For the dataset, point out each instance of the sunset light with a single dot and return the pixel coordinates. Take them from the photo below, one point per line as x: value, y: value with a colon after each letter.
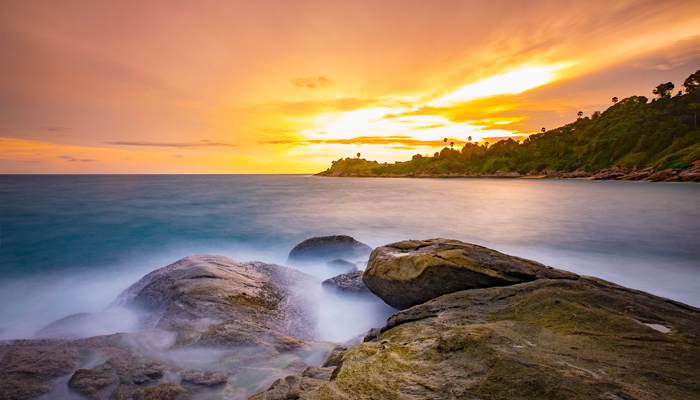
x: 512, y: 82
x: 249, y: 87
x: 333, y: 199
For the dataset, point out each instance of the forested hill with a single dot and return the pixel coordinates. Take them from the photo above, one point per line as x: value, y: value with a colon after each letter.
x: 632, y: 139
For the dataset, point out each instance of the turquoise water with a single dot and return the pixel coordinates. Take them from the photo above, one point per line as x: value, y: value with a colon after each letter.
x: 72, y: 243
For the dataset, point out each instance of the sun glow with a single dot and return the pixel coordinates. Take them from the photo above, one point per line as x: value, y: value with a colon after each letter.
x: 424, y: 125
x: 512, y: 82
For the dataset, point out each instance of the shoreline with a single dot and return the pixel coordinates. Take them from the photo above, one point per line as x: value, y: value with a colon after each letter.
x: 691, y: 174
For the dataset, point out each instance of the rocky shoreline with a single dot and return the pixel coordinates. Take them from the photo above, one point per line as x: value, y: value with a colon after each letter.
x: 690, y: 174
x: 472, y: 323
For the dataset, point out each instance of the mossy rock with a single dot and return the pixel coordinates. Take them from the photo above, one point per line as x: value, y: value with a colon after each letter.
x: 545, y: 339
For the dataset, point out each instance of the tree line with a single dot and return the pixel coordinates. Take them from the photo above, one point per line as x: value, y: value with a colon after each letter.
x: 632, y: 133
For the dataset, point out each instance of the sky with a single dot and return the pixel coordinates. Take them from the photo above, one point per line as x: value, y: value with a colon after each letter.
x: 161, y: 87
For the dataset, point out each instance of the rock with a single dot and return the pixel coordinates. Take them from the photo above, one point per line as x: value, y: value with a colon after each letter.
x: 205, y: 378
x: 192, y: 294
x: 691, y: 174
x: 90, y: 382
x: 411, y: 272
x: 350, y: 282
x: 666, y: 175
x: 296, y: 386
x: 327, y: 248
x: 339, y: 263
x: 28, y: 367
x: 335, y: 357
x: 166, y: 391
x: 242, y: 318
x: 545, y: 339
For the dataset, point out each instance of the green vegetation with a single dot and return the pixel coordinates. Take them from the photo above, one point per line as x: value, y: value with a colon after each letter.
x: 631, y: 134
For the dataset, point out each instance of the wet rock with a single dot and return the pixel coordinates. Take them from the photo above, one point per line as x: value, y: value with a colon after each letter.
x: 248, y: 315
x: 205, y: 378
x: 335, y: 357
x: 545, y: 339
x: 166, y: 391
x: 339, y: 263
x: 411, y: 272
x: 28, y: 368
x: 195, y: 292
x: 350, y: 283
x: 90, y: 383
x: 328, y: 248
x: 296, y: 386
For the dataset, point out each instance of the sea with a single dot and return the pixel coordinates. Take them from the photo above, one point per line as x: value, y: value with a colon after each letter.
x: 72, y: 243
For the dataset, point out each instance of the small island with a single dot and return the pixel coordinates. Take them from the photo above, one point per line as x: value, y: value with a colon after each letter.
x: 634, y: 139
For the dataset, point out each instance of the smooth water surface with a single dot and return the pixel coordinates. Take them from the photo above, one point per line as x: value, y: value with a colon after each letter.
x: 73, y: 243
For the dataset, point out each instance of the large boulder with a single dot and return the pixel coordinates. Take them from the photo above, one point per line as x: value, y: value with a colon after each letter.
x: 546, y: 339
x: 196, y: 292
x: 411, y: 272
x: 329, y: 248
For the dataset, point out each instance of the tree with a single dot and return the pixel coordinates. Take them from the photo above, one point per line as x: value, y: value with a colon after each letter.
x: 692, y: 83
x: 470, y: 139
x: 358, y: 155
x: 452, y: 144
x: 614, y: 100
x: 695, y: 107
x: 544, y: 130
x: 580, y: 114
x: 445, y: 140
x: 664, y: 90
x: 486, y: 144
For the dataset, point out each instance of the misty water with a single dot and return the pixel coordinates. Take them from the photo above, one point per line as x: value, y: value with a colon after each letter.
x: 71, y: 244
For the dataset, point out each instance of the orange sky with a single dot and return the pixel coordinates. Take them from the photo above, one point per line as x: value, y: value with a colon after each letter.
x: 289, y: 86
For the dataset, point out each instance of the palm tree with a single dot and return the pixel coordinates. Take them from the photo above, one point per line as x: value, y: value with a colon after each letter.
x: 543, y: 130
x: 445, y: 140
x: 358, y: 155
x: 580, y: 114
x: 452, y: 144
x: 470, y: 139
x: 486, y: 144
x: 614, y: 100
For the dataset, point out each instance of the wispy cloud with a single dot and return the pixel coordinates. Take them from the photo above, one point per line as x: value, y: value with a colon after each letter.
x: 73, y: 159
x: 403, y: 141
x: 312, y: 82
x: 55, y: 128
x: 311, y: 108
x: 183, y: 145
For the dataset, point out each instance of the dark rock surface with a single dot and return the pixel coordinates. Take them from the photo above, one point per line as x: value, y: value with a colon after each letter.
x: 329, y: 248
x: 350, y: 282
x: 340, y: 263
x: 411, y: 272
x: 545, y: 339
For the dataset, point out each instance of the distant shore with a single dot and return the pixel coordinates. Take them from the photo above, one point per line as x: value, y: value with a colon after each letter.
x: 691, y: 174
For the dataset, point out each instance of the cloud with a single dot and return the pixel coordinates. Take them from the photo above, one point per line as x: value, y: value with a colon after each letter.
x: 401, y: 141
x: 312, y: 82
x: 184, y: 145
x: 73, y: 159
x: 55, y: 128
x: 311, y: 108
